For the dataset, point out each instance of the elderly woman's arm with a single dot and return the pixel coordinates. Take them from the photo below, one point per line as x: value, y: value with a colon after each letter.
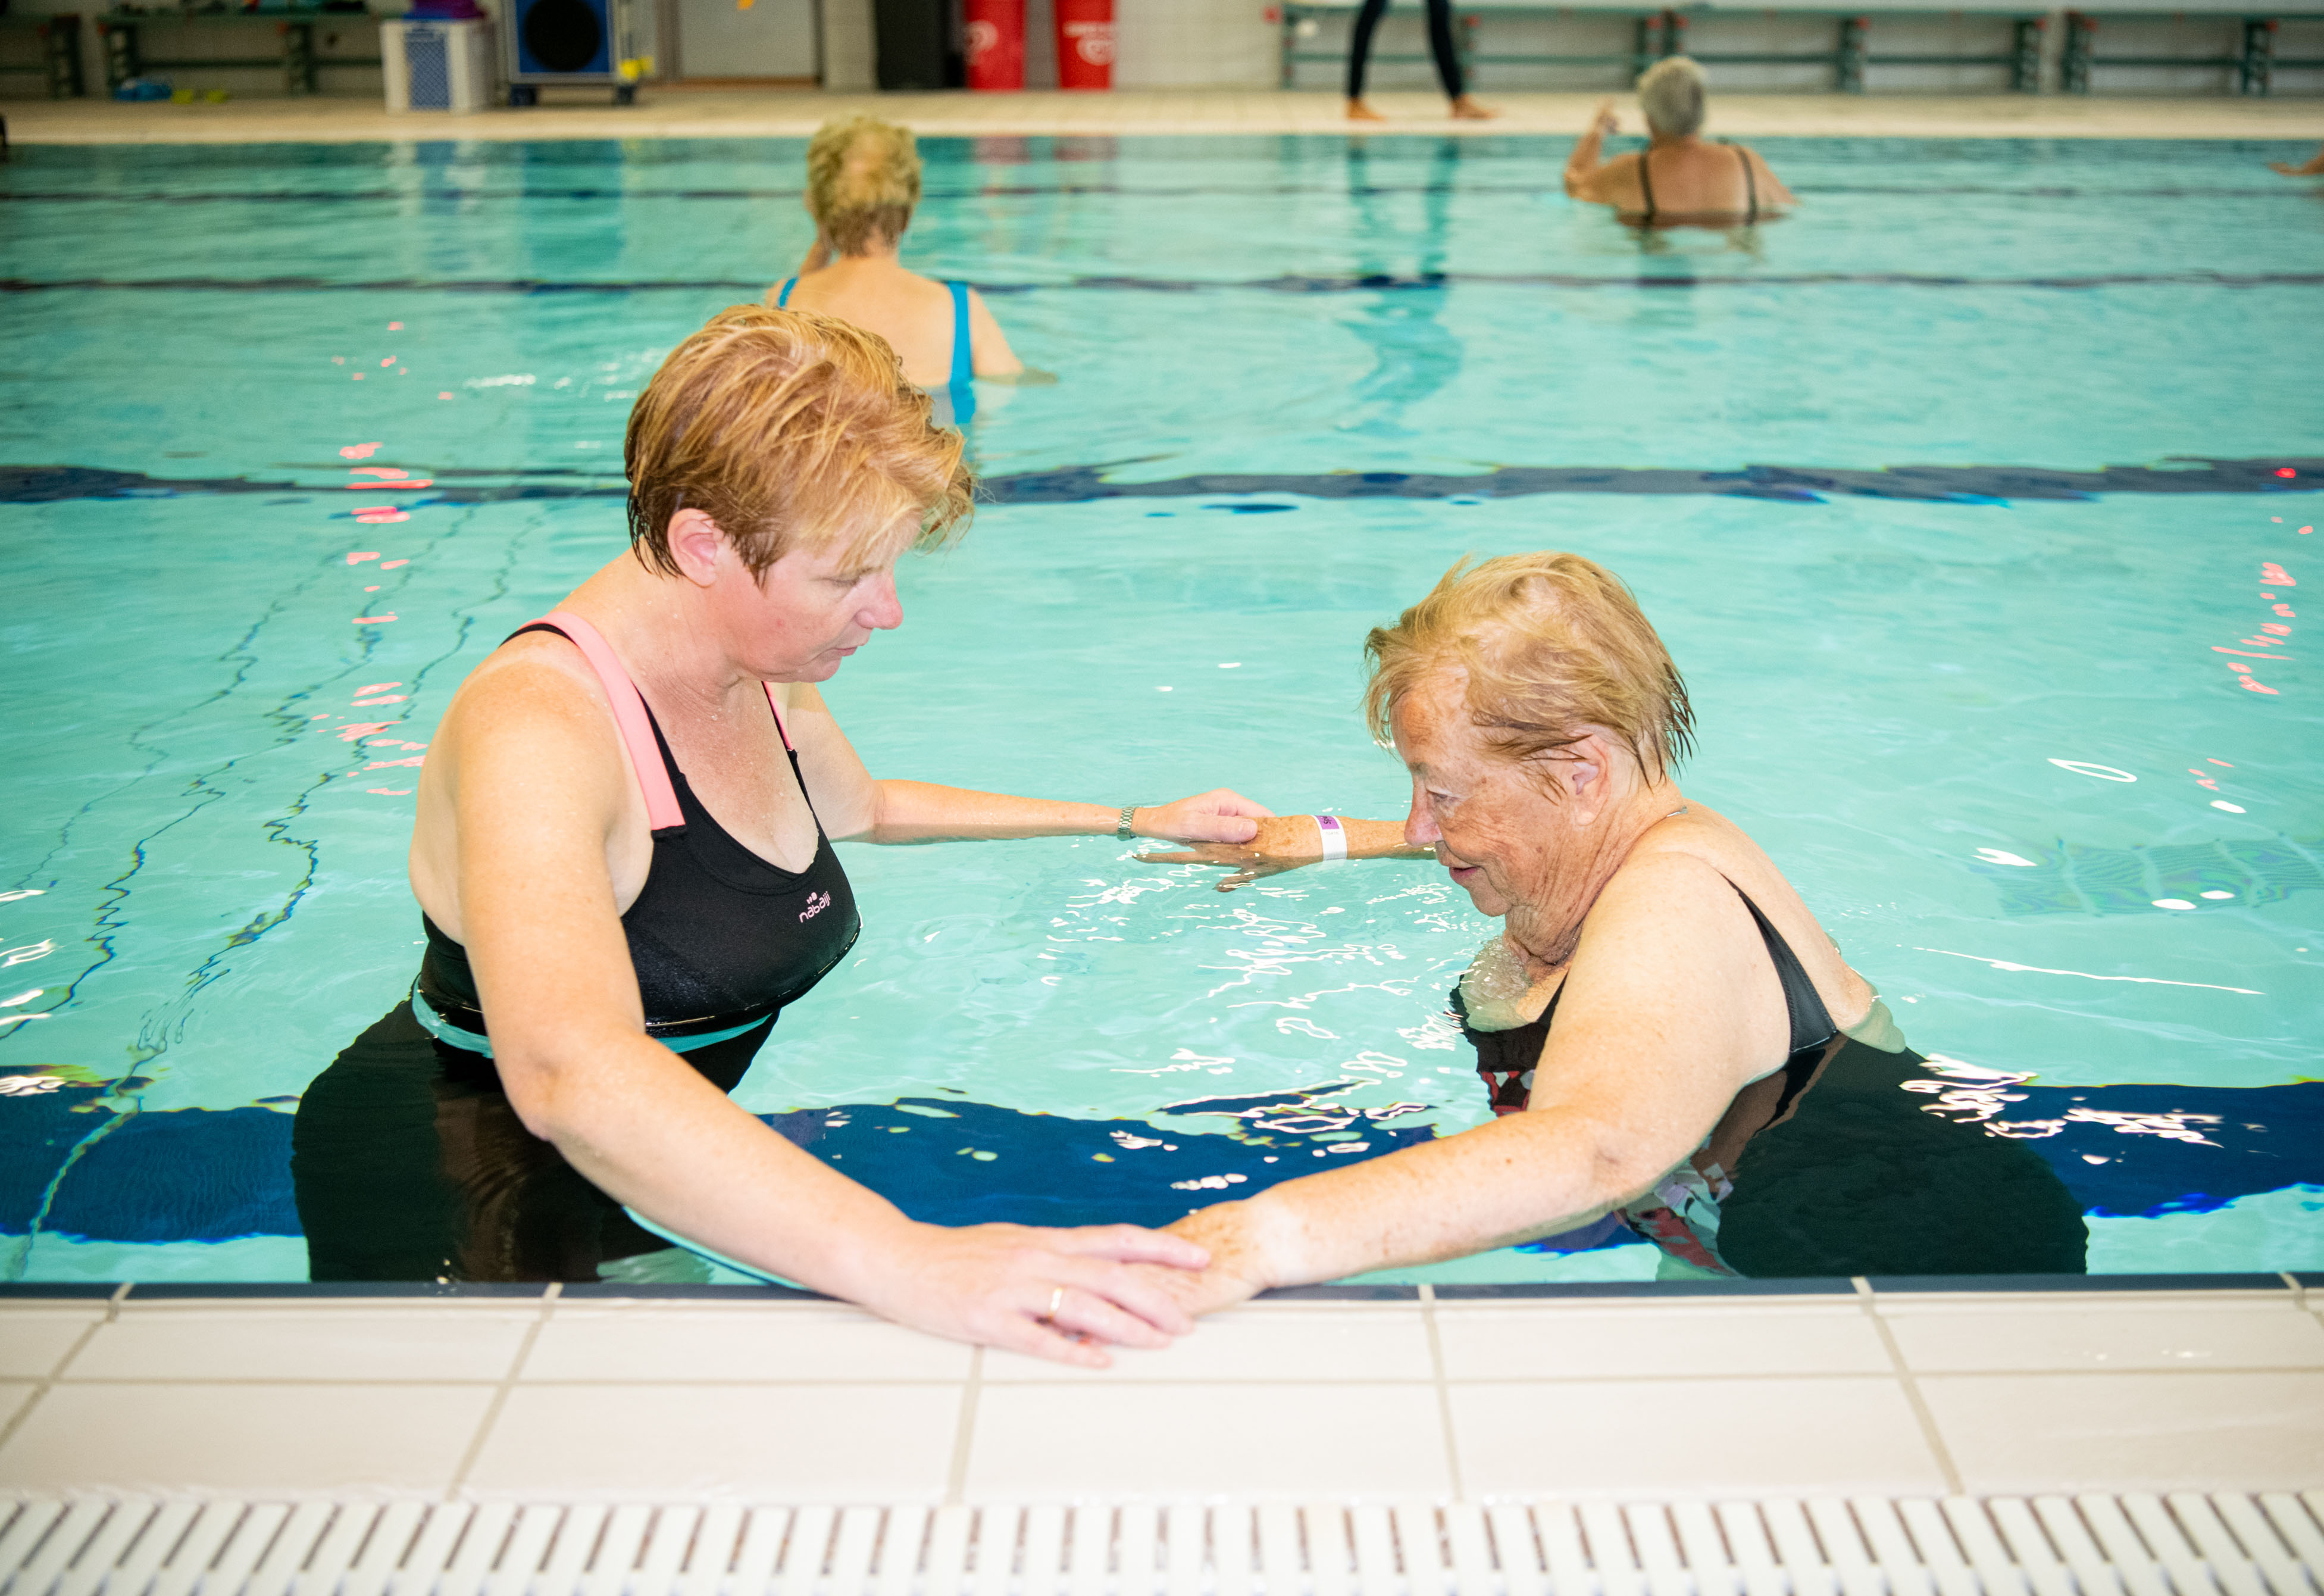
x: 1287, y: 842
x: 853, y: 803
x: 1668, y: 1001
x: 1583, y: 166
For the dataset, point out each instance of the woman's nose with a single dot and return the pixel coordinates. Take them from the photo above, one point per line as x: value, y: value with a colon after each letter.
x: 1420, y: 828
x: 885, y: 611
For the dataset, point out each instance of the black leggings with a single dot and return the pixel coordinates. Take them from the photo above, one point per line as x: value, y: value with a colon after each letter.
x: 1440, y: 41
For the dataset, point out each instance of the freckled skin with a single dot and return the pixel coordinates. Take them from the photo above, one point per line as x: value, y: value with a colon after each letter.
x: 1626, y: 901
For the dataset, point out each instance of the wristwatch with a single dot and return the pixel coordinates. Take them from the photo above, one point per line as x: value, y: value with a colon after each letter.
x: 1122, y: 826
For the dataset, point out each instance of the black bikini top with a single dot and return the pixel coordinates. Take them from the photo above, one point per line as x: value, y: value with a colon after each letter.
x: 1505, y: 1058
x: 720, y: 939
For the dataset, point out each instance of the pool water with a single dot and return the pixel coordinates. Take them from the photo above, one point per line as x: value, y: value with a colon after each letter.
x: 1961, y: 497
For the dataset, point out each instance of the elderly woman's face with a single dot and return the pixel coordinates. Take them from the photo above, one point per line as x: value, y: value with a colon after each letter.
x: 1490, y: 823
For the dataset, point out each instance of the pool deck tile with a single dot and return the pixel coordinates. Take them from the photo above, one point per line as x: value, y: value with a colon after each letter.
x: 1646, y: 1339
x: 1363, y: 1442
x: 748, y: 1397
x: 2100, y: 1335
x: 34, y: 1340
x: 294, y: 1440
x: 626, y: 1343
x: 1845, y: 1435
x: 2211, y: 1431
x: 826, y: 1442
x: 13, y: 1395
x: 1272, y: 1342
x: 308, y: 1342
x: 665, y: 112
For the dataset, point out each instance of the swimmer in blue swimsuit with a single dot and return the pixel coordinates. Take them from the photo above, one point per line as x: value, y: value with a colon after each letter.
x: 864, y: 180
x: 1672, y: 1037
x: 623, y: 861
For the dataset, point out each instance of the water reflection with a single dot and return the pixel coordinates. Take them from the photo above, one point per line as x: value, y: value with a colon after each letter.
x: 1856, y: 1159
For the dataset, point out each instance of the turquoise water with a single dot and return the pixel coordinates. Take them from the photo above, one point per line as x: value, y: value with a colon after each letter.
x: 1888, y: 666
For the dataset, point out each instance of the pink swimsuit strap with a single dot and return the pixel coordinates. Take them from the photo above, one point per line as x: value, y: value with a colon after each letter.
x: 630, y: 717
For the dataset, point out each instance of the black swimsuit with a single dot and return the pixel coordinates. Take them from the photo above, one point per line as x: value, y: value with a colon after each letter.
x: 408, y: 1160
x: 1850, y: 1168
x: 1750, y: 207
x: 720, y: 939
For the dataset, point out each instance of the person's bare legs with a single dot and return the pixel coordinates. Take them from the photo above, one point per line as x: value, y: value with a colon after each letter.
x: 2312, y: 167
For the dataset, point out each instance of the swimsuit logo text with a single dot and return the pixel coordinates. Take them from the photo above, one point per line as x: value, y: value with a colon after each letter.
x: 816, y: 902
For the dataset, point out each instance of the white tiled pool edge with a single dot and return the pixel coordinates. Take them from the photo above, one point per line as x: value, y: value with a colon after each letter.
x: 1418, y: 1396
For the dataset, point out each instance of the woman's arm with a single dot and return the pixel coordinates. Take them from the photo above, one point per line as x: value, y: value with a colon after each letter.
x: 1771, y: 187
x: 1287, y: 842
x: 991, y: 357
x: 853, y: 804
x: 539, y: 787
x: 1583, y: 166
x: 1668, y: 1002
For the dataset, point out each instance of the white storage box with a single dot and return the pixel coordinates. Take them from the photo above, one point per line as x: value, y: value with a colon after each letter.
x: 437, y: 66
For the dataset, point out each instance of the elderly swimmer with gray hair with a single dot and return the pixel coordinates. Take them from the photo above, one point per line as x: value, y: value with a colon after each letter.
x: 1678, y: 177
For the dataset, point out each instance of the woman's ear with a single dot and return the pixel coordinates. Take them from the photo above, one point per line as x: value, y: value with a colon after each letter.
x: 1585, y: 772
x: 694, y: 545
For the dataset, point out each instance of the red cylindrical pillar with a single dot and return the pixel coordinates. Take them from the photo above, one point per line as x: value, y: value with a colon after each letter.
x: 1085, y: 43
x: 996, y: 45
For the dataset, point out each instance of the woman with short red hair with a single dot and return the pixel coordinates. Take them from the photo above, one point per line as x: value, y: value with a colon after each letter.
x: 623, y: 855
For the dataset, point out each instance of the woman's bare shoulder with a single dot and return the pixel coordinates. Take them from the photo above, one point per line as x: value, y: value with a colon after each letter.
x: 1710, y: 838
x: 535, y: 686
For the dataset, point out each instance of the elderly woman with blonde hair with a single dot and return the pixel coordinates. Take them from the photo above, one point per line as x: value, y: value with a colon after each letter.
x: 623, y: 857
x: 1677, y: 178
x: 1664, y: 1032
x: 862, y: 183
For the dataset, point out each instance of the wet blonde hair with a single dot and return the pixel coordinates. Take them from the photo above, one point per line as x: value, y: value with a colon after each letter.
x: 791, y: 431
x: 1551, y: 645
x: 862, y: 180
x: 1671, y: 95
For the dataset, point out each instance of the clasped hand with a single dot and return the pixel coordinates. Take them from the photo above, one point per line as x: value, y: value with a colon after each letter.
x: 1277, y: 843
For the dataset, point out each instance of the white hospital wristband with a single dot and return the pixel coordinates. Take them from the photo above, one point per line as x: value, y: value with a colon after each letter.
x: 1335, y: 838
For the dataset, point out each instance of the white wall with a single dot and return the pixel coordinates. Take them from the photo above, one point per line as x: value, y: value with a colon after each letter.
x: 847, y: 59
x: 1194, y: 44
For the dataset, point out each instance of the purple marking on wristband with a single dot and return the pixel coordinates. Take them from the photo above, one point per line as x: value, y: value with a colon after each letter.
x: 1330, y: 823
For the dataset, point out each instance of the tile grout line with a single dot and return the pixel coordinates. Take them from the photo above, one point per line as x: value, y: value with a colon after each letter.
x: 56, y: 1371
x: 2299, y: 1292
x: 964, y: 1434
x: 1443, y: 1390
x: 1930, y: 1433
x: 501, y: 1392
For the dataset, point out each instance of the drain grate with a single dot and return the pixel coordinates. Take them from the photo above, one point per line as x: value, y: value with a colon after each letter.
x: 2181, y: 1544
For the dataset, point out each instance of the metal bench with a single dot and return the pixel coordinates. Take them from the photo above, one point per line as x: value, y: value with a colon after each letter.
x: 1649, y: 36
x: 1854, y: 39
x: 58, y: 38
x: 121, y: 33
x: 2248, y: 52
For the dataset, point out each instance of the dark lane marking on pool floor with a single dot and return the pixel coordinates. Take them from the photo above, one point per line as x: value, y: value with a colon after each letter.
x: 1366, y: 283
x: 1083, y: 485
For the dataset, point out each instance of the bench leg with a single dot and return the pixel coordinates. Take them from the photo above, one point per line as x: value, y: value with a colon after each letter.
x: 2026, y: 55
x: 1848, y: 59
x: 2255, y: 73
x: 2074, y: 66
x: 298, y: 58
x: 60, y: 54
x: 121, y: 57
